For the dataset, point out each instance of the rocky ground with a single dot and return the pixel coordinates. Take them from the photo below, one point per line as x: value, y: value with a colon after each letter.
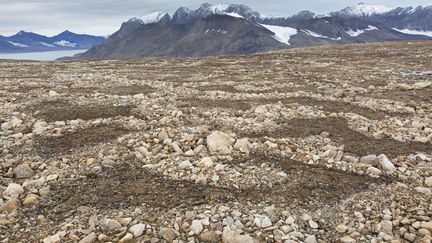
x: 324, y: 144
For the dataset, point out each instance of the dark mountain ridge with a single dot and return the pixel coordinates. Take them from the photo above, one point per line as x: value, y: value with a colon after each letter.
x: 31, y: 42
x: 235, y: 29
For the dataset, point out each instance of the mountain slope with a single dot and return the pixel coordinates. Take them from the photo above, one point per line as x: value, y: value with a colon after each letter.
x: 419, y: 18
x: 31, y: 42
x: 237, y: 29
x: 362, y: 10
x: 213, y: 35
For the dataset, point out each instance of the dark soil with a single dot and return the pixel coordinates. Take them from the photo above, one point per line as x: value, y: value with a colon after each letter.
x: 123, y: 187
x: 421, y: 95
x: 215, y: 104
x: 63, y: 110
x: 26, y: 89
x: 69, y: 141
x: 340, y: 106
x: 325, y: 105
x: 129, y: 90
x: 355, y: 142
x: 225, y: 88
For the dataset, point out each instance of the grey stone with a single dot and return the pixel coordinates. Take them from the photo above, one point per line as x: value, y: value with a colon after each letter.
x: 23, y: 171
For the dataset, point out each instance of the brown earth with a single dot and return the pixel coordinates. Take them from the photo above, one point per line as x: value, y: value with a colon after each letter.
x: 309, y: 187
x: 354, y: 142
x: 62, y: 110
x: 92, y: 136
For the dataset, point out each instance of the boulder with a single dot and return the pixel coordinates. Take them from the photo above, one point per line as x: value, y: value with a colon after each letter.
x: 219, y: 142
x: 231, y: 236
x: 386, y: 164
x: 23, y: 171
x: 109, y: 225
x: 371, y: 159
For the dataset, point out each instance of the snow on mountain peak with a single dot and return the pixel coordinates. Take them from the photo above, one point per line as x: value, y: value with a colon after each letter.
x: 218, y: 8
x: 363, y: 9
x: 151, y: 18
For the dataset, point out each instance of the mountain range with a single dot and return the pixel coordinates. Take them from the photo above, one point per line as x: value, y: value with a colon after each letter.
x: 31, y: 42
x: 220, y: 29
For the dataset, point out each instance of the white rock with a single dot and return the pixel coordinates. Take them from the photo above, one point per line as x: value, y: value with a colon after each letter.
x: 184, y: 165
x: 60, y: 123
x: 52, y: 239
x: 52, y: 93
x: 427, y: 225
x: 374, y: 172
x: 313, y: 224
x: 243, y: 145
x: 39, y: 127
x: 424, y: 190
x: 386, y: 164
x: 176, y: 148
x: 386, y: 226
x: 109, y: 225
x: 219, y: 142
x: 310, y: 239
x: 137, y: 230
x: 201, y: 179
x: 341, y: 228
x: 428, y: 181
x: 417, y: 125
x: 207, y: 162
x: 422, y: 85
x: 126, y: 238
x: 266, y: 222
x: 16, y: 122
x: 219, y: 167
x: 347, y: 239
x: 139, y: 96
x: 90, y: 238
x: 52, y: 177
x: 13, y: 189
x: 189, y: 153
x: 290, y: 220
x: 230, y: 236
x: 196, y: 227
x: 6, y: 126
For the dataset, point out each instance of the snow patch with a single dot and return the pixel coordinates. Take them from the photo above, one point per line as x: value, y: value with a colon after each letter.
x: 46, y: 44
x: 218, y: 8
x: 415, y: 32
x: 355, y: 33
x: 18, y: 44
x: 314, y: 34
x: 235, y: 15
x: 366, y: 10
x: 65, y: 43
x: 150, y: 18
x: 281, y: 34
x: 218, y: 31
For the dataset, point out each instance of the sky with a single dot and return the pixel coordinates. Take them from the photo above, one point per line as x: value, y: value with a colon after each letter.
x: 104, y: 17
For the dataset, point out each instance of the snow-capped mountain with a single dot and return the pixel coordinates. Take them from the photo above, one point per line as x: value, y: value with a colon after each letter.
x: 362, y: 10
x: 221, y: 29
x: 30, y: 42
x: 156, y: 17
x: 418, y: 19
x: 184, y: 15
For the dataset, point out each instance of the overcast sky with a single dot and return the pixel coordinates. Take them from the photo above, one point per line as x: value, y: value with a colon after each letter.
x: 103, y: 17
